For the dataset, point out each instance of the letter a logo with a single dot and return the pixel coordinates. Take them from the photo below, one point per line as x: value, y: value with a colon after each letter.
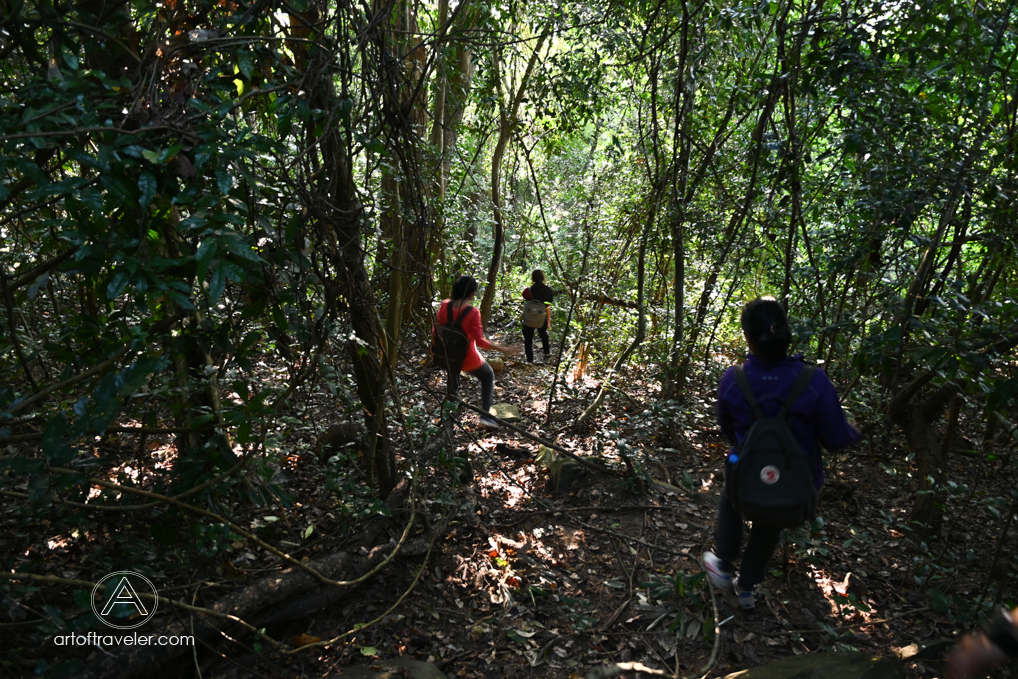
x: 123, y: 590
x: 125, y: 594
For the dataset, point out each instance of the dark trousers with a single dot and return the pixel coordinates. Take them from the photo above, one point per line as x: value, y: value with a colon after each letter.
x: 485, y: 375
x: 728, y: 540
x: 528, y: 341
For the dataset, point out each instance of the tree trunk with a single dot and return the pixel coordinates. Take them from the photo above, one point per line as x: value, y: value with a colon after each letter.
x: 731, y: 233
x: 507, y: 120
x: 338, y: 219
x: 641, y: 325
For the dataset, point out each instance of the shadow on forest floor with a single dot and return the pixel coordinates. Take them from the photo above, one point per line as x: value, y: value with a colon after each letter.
x: 525, y: 582
x: 533, y: 584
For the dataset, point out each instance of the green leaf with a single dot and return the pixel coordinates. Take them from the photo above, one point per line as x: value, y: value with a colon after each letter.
x: 71, y: 59
x: 164, y: 534
x: 206, y: 251
x: 93, y: 199
x: 54, y: 443
x: 33, y: 289
x: 97, y: 412
x: 309, y: 530
x: 83, y: 598
x: 217, y: 284
x: 182, y: 300
x: 244, y: 64
x: 134, y: 376
x: 1003, y: 391
x: 938, y: 601
x: 147, y: 184
x: 233, y: 272
x: 117, y: 283
x: 369, y: 650
x: 65, y: 669
x: 243, y: 250
x: 224, y: 180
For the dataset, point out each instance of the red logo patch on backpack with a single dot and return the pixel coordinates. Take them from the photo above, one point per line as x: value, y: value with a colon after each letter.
x: 770, y: 475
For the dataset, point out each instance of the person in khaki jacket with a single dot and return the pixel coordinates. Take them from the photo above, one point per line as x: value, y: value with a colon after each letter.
x: 538, y: 292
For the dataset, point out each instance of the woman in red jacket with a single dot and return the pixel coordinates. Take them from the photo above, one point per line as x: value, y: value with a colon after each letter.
x: 463, y: 291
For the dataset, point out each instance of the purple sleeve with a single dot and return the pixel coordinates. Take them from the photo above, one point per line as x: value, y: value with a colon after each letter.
x: 832, y: 427
x: 725, y: 420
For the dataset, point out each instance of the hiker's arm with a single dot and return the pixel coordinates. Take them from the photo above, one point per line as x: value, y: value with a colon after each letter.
x: 724, y: 417
x: 976, y: 652
x: 548, y: 322
x: 510, y: 350
x: 832, y: 426
x: 472, y: 326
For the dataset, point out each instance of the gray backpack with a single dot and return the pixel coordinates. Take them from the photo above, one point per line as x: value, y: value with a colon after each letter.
x: 534, y: 314
x: 770, y: 482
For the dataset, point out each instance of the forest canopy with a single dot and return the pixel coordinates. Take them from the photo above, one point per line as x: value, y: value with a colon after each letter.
x: 226, y: 227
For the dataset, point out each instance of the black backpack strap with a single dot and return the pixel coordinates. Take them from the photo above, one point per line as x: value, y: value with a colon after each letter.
x: 453, y: 321
x: 747, y: 391
x: 799, y: 386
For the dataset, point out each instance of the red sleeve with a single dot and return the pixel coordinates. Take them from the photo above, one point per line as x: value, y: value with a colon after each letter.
x: 526, y: 294
x: 474, y: 330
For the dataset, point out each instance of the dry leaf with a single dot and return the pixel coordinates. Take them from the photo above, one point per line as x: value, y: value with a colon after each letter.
x: 304, y: 640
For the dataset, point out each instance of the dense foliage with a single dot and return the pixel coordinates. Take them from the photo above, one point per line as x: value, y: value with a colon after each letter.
x: 208, y: 207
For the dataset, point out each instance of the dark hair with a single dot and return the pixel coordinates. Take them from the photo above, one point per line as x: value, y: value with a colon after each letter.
x: 537, y: 276
x: 464, y: 287
x: 765, y: 323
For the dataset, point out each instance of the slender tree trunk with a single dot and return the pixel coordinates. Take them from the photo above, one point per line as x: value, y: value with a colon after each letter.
x: 641, y: 325
x: 507, y: 120
x: 731, y: 233
x: 682, y: 142
x: 338, y: 218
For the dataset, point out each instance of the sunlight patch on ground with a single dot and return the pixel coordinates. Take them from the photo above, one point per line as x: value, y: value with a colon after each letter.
x: 835, y: 591
x: 511, y: 486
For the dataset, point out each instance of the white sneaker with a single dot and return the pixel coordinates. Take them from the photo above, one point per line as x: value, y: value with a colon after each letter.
x: 745, y: 596
x: 488, y: 423
x: 719, y: 577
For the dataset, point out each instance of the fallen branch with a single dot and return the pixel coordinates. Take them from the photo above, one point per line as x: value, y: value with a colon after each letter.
x: 54, y: 580
x: 431, y: 546
x: 250, y: 536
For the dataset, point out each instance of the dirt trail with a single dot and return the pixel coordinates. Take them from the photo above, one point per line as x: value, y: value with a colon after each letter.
x: 531, y: 583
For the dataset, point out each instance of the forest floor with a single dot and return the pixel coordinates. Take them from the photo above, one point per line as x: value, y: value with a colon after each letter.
x: 525, y: 581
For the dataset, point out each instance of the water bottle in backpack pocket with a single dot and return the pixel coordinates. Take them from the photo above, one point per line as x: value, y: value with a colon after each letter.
x: 770, y: 482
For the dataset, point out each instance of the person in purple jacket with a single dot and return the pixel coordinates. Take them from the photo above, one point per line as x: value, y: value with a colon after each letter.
x: 816, y: 419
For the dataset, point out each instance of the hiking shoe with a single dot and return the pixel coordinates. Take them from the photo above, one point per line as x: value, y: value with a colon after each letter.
x: 745, y: 596
x: 488, y: 423
x: 718, y: 576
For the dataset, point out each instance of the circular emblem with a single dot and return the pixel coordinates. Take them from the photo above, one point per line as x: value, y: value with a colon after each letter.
x: 116, y: 603
x: 770, y: 475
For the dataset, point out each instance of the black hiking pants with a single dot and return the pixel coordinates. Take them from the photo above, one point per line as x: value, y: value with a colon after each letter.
x: 528, y: 341
x: 485, y: 375
x: 728, y: 541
